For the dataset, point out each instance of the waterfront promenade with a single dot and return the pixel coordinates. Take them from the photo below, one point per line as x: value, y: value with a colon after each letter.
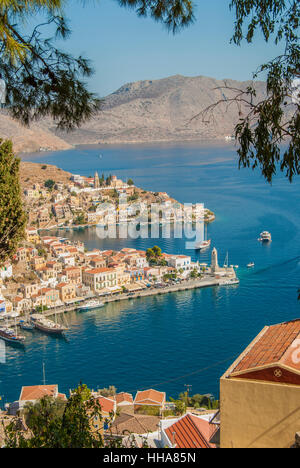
x: 185, y: 285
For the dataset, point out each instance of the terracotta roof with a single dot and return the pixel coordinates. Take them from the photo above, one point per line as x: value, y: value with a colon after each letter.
x: 276, y: 344
x: 121, y: 397
x: 134, y: 423
x: 150, y: 396
x: 190, y: 432
x: 95, y: 271
x: 36, y: 392
x: 107, y: 404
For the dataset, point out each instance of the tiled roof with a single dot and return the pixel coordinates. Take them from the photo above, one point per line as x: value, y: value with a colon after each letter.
x: 276, y: 344
x: 107, y: 404
x: 36, y: 392
x: 121, y: 397
x: 152, y: 395
x: 95, y: 271
x: 134, y: 423
x: 190, y: 432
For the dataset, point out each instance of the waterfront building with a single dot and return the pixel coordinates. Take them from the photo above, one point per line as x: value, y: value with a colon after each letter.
x: 180, y: 262
x: 67, y: 291
x: 99, y: 278
x: 260, y: 392
x: 51, y: 295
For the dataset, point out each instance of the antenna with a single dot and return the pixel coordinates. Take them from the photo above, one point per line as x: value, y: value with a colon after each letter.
x: 187, y: 391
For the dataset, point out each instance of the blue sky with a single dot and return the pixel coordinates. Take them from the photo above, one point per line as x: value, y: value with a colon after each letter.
x: 125, y: 48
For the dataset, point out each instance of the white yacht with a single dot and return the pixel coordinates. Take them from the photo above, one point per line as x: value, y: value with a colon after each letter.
x: 265, y: 236
x: 92, y: 304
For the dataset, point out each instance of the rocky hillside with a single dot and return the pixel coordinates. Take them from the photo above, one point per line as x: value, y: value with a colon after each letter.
x: 146, y: 111
x: 35, y: 173
x: 30, y: 139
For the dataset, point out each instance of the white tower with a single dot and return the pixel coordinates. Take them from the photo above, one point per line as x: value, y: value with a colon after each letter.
x: 214, y: 261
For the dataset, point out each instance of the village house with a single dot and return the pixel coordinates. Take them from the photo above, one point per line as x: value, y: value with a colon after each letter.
x: 38, y: 263
x: 30, y: 289
x: 260, y: 392
x: 32, y: 236
x: 73, y: 274
x: 21, y: 255
x: 67, y: 291
x: 21, y: 304
x: 124, y: 400
x: 51, y: 295
x: 6, y: 270
x: 39, y: 300
x: 180, y: 262
x: 33, y: 394
x: 151, y: 398
x: 98, y: 262
x: 188, y: 431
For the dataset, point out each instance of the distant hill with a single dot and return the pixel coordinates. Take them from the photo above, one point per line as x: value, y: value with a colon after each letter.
x: 154, y: 111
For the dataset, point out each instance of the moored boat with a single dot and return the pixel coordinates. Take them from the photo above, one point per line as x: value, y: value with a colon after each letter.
x: 10, y: 335
x: 48, y: 326
x: 92, y: 304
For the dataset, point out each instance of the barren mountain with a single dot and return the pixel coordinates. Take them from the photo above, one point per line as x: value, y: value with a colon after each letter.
x: 148, y: 111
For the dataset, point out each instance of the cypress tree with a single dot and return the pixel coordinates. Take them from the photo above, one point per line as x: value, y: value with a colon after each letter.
x: 12, y: 215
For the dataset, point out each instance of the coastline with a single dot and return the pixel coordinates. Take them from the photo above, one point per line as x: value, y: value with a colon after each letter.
x: 186, y: 285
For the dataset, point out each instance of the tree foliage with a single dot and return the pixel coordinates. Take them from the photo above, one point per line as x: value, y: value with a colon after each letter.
x: 51, y: 428
x: 43, y: 80
x: 12, y: 216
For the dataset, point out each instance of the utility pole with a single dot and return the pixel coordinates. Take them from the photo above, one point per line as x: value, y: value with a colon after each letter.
x: 188, y: 386
x: 44, y: 375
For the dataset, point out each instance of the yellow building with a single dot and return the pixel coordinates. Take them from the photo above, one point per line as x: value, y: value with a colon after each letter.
x: 32, y: 236
x: 260, y: 392
x: 67, y: 291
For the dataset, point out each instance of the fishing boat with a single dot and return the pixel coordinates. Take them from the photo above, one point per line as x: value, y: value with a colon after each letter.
x: 92, y: 304
x: 265, y: 236
x: 48, y: 326
x: 250, y: 265
x: 205, y: 244
x: 10, y: 335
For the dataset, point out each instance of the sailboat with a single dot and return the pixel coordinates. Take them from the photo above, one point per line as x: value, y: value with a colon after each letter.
x: 48, y: 326
x: 10, y: 335
x: 205, y: 244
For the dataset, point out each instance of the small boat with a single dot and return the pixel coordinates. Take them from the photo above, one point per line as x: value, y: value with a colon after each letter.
x: 205, y: 244
x: 10, y: 335
x: 25, y: 325
x: 228, y: 281
x: 92, y: 304
x: 250, y: 265
x: 265, y: 236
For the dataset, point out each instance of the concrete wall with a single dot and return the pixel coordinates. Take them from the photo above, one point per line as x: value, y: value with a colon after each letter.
x: 258, y: 414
